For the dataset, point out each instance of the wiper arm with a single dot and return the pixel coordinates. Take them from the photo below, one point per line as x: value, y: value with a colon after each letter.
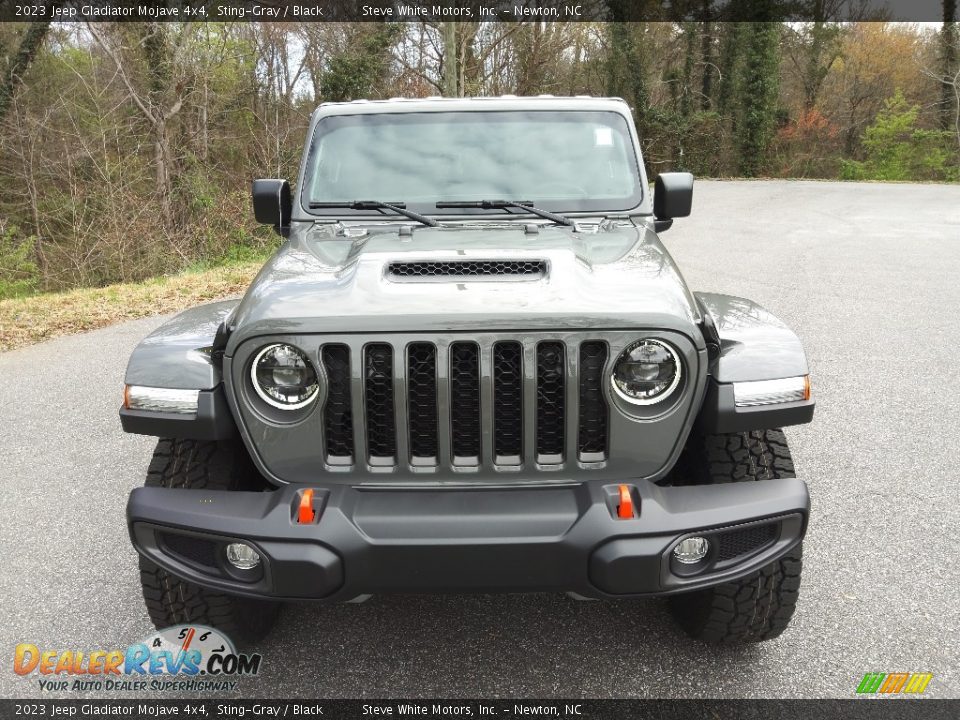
x: 504, y: 204
x: 399, y: 208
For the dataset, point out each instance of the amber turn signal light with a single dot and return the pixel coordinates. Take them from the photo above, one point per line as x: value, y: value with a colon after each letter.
x: 305, y: 514
x: 625, y: 508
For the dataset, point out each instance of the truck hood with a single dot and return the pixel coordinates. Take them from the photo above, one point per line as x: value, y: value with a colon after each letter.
x: 333, y: 278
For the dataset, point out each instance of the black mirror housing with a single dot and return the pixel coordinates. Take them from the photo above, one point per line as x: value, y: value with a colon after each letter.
x: 673, y: 195
x: 272, y: 204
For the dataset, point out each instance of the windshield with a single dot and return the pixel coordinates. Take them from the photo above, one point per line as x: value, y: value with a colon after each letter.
x: 566, y: 161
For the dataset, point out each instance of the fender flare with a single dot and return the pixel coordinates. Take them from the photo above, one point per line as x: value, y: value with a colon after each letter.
x: 182, y: 354
x: 753, y: 345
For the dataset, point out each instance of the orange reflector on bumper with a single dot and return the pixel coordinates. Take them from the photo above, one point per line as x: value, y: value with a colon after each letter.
x: 305, y: 515
x: 625, y: 508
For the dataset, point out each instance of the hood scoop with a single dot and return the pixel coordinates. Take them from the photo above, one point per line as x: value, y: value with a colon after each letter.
x: 466, y: 270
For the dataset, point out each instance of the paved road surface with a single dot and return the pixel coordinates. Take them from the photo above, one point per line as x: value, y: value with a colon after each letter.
x: 868, y: 275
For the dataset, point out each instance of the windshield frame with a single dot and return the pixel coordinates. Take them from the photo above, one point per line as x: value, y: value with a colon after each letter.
x: 429, y: 209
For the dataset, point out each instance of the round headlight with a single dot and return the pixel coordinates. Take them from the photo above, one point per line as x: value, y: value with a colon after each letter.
x: 646, y: 372
x: 283, y: 377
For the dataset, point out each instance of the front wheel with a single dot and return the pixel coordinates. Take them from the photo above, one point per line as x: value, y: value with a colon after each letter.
x: 759, y: 606
x: 171, y: 601
x: 755, y: 608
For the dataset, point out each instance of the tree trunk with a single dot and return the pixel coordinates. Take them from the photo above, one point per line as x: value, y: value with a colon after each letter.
x: 164, y: 184
x: 690, y: 30
x: 706, y: 57
x: 761, y: 79
x: 13, y: 77
x: 449, y: 30
x: 157, y: 55
x: 821, y: 54
x: 730, y: 52
x: 627, y: 64
x: 949, y: 39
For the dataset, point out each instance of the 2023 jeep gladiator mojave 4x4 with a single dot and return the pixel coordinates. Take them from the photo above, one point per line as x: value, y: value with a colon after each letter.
x: 471, y: 366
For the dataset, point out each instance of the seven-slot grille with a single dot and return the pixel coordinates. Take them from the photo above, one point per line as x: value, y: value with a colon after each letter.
x: 466, y: 404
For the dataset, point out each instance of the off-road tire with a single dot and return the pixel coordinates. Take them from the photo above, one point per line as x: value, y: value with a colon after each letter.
x: 759, y: 606
x: 736, y: 457
x: 170, y: 601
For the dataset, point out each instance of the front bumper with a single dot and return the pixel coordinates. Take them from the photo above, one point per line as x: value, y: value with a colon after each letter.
x: 376, y: 540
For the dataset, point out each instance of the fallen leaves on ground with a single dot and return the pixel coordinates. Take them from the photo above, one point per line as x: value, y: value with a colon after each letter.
x: 24, y: 321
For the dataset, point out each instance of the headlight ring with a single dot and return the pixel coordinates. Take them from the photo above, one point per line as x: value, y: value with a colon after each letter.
x: 647, y: 372
x: 283, y: 377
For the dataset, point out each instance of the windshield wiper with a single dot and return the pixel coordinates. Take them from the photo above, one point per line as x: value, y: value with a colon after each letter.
x: 399, y: 208
x: 504, y: 204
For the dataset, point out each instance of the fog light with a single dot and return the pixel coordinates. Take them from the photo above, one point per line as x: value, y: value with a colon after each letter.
x: 692, y: 550
x: 242, y: 556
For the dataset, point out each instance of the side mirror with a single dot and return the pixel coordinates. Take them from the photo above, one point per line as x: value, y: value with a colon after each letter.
x: 672, y: 198
x: 271, y: 202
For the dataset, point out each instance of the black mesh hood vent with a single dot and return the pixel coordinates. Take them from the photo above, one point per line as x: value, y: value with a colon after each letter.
x: 461, y: 270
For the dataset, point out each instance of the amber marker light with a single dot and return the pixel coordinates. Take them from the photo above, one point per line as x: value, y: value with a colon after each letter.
x: 625, y: 508
x: 305, y: 513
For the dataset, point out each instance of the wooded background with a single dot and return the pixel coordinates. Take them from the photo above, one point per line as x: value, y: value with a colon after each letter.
x: 127, y: 150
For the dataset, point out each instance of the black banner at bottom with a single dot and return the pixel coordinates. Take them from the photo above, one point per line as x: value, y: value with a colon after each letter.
x: 862, y: 708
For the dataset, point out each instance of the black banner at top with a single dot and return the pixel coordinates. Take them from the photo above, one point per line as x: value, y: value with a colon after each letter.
x: 466, y: 10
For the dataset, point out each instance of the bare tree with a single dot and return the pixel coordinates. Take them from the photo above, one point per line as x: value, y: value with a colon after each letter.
x: 947, y: 76
x: 158, y: 105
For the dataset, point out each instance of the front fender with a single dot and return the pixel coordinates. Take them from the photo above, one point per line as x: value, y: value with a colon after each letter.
x: 179, y: 354
x: 754, y: 345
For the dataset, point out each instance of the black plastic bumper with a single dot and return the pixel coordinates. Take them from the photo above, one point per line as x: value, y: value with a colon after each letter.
x: 565, y: 538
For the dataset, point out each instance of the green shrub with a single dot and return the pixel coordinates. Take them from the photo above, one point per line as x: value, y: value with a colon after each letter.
x: 19, y: 274
x: 896, y: 149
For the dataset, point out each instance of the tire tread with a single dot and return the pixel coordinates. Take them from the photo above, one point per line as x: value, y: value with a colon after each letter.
x: 760, y: 606
x: 169, y: 600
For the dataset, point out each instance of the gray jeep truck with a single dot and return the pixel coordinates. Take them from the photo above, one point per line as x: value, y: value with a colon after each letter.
x: 471, y: 366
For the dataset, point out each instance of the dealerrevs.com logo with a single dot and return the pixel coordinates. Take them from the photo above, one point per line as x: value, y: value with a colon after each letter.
x: 894, y: 683
x: 180, y: 658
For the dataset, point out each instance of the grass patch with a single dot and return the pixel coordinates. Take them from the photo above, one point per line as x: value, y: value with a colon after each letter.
x: 27, y: 320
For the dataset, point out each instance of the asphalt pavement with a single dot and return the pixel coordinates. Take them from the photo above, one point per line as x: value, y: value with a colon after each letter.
x: 868, y: 275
